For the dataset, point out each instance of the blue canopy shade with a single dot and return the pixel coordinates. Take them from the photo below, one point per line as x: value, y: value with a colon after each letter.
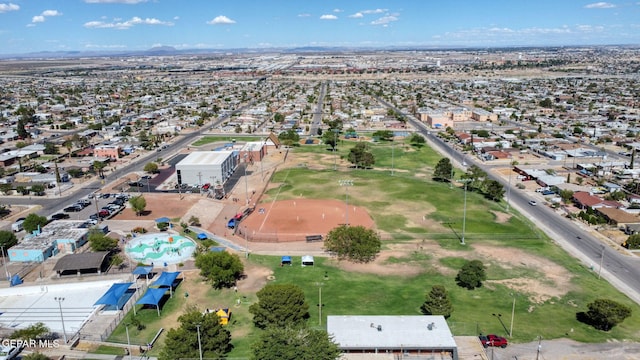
x: 113, y: 295
x: 286, y: 259
x: 166, y: 279
x: 163, y: 220
x: 142, y: 270
x: 202, y: 236
x: 152, y: 296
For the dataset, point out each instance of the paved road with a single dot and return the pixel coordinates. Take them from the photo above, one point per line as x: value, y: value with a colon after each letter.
x: 317, y: 113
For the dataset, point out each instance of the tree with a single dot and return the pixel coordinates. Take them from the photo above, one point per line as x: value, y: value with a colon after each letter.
x: 98, y: 241
x: 604, y: 314
x: 355, y: 243
x: 182, y: 342
x: 36, y: 356
x: 471, y: 275
x: 437, y: 302
x: 221, y: 269
x: 98, y: 167
x: 417, y: 140
x: 493, y: 190
x: 51, y: 148
x: 7, y: 239
x: 194, y: 220
x: 37, y: 189
x: 151, y: 167
x: 566, y: 195
x: 330, y: 138
x: 632, y: 242
x: 287, y: 343
x: 34, y: 331
x: 360, y: 156
x: 383, y: 135
x: 289, y: 137
x: 34, y: 222
x: 138, y: 204
x: 280, y: 305
x: 443, y: 170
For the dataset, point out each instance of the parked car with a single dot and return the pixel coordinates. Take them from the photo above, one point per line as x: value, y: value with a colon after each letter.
x: 17, y: 226
x: 73, y: 208
x: 60, y: 216
x: 9, y: 352
x: 104, y: 213
x: 493, y: 340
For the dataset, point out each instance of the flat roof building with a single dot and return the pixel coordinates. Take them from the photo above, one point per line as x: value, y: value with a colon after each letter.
x: 427, y: 335
x: 201, y: 167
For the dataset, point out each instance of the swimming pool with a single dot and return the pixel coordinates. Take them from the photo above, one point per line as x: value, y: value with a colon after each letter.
x: 160, y: 248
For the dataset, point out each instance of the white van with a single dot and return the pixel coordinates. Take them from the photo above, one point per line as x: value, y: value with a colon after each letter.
x: 17, y: 226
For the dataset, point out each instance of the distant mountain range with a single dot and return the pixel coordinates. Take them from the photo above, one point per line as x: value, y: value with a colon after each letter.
x: 171, y: 51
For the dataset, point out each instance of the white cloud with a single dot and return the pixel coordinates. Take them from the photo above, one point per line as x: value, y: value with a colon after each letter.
x: 385, y: 20
x: 357, y: 15
x: 8, y: 7
x: 600, y: 5
x: 304, y: 15
x: 51, y: 13
x: 221, y: 20
x: 123, y: 25
x: 130, y: 2
x: 328, y: 17
x: 337, y: 10
x: 374, y: 11
x: 45, y: 14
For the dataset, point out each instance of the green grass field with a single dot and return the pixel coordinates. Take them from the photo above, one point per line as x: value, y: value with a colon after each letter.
x: 409, y: 207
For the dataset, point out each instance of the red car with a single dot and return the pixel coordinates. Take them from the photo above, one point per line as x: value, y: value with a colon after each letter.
x: 206, y: 186
x: 493, y: 340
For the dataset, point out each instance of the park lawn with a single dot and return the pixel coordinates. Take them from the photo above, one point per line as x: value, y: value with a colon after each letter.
x: 349, y: 293
x: 205, y: 140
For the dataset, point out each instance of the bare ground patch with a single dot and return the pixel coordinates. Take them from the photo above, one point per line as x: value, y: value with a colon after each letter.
x: 555, y: 282
x: 501, y: 217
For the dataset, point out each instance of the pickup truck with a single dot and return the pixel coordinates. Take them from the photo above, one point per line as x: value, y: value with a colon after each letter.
x: 493, y: 340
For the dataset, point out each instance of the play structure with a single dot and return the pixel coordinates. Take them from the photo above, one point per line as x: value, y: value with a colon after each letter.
x: 160, y: 248
x: 223, y: 314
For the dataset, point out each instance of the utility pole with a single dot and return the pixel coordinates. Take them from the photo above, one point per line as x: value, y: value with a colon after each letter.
x: 393, y: 146
x: 539, y: 347
x: 601, y: 262
x: 199, y: 341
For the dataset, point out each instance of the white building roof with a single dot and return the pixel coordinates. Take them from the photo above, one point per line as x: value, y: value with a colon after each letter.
x: 379, y: 332
x: 205, y: 158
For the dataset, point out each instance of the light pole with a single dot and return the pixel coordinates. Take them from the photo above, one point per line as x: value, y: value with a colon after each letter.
x: 346, y: 184
x: 464, y: 210
x: 64, y: 332
x: 199, y: 342
x: 4, y: 261
x: 601, y: 261
x: 246, y: 187
x: 126, y: 328
x: 246, y: 243
x: 513, y: 312
x: 509, y: 187
x: 335, y: 153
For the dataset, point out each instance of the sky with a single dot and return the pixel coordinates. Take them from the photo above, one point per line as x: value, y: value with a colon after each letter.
x: 28, y: 26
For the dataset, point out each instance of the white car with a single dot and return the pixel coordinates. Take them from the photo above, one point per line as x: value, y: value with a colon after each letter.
x: 533, y: 202
x: 9, y: 352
